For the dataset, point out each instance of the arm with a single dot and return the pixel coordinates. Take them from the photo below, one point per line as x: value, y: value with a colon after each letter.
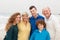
x: 48, y: 36
x: 57, y: 29
x: 32, y: 36
x: 9, y: 34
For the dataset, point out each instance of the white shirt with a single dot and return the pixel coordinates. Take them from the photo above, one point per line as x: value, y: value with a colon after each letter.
x: 53, y: 27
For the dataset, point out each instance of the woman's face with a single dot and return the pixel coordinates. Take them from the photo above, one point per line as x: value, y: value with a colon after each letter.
x: 18, y: 19
x: 25, y: 17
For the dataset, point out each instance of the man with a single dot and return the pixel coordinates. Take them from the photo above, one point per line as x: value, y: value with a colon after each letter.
x: 52, y: 22
x: 35, y: 16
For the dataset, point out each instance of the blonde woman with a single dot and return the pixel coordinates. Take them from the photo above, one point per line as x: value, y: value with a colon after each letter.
x: 24, y: 28
x: 11, y: 27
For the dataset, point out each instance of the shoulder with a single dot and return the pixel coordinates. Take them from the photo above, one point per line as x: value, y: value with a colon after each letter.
x: 28, y: 22
x: 41, y: 16
x: 46, y: 31
x: 11, y: 28
x: 54, y: 18
x: 19, y: 24
x: 31, y: 17
x: 35, y: 32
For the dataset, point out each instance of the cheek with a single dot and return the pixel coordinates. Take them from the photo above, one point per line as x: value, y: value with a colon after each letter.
x: 17, y: 19
x: 32, y: 12
x: 46, y: 14
x: 41, y: 26
x: 26, y: 18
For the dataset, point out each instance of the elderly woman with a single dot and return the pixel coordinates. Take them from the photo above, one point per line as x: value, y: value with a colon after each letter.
x: 24, y: 28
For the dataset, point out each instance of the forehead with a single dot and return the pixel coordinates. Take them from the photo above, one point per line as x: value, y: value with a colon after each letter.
x: 46, y: 9
x: 40, y: 24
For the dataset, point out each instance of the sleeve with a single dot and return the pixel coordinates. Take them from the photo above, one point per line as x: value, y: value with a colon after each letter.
x: 57, y: 29
x: 9, y: 35
x: 43, y: 17
x: 32, y: 36
x: 48, y: 36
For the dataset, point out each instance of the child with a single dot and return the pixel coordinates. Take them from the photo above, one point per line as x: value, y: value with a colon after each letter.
x: 41, y: 33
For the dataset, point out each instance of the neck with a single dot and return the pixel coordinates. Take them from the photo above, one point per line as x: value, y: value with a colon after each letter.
x: 25, y: 22
x: 41, y: 29
x: 35, y: 16
x: 14, y: 23
x: 48, y: 16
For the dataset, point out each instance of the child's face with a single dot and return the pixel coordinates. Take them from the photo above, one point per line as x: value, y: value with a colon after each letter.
x: 40, y: 26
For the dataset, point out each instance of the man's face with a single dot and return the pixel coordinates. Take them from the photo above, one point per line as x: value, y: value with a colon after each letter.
x: 46, y: 12
x: 33, y: 11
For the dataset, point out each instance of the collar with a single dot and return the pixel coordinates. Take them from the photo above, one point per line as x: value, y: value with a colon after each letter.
x: 42, y: 30
x: 37, y: 16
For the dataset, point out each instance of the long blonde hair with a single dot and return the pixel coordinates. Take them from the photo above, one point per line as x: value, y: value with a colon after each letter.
x: 11, y: 20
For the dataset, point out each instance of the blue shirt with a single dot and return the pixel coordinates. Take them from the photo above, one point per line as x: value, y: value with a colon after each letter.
x: 43, y: 35
x: 33, y: 22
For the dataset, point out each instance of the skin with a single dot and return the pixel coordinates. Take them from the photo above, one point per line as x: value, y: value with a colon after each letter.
x: 33, y: 12
x: 40, y: 27
x: 25, y: 18
x: 17, y: 20
x: 46, y: 12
